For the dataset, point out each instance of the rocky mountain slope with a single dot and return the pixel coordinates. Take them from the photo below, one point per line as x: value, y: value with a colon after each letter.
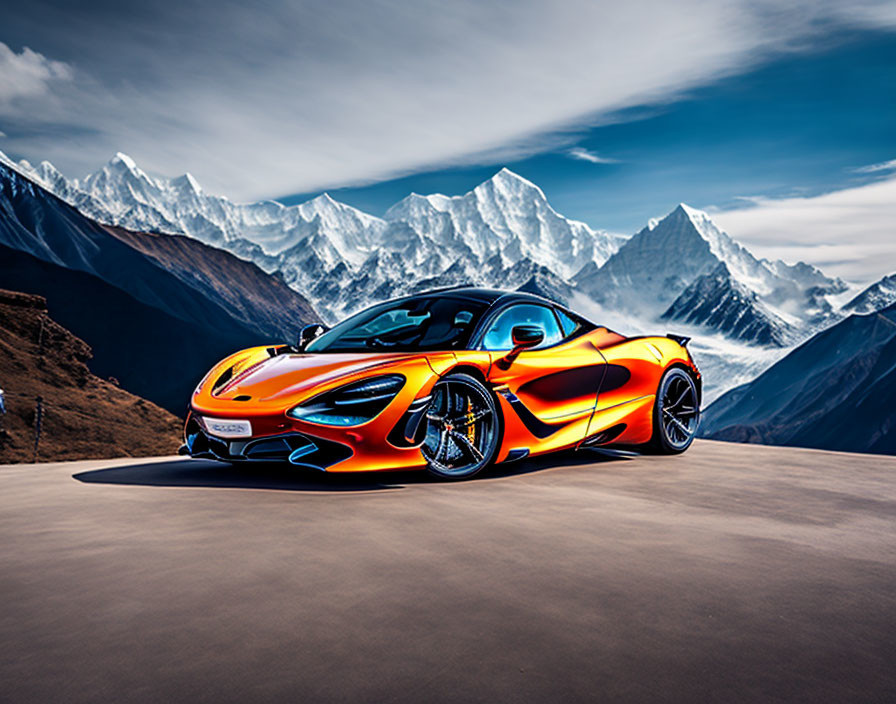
x: 156, y: 309
x: 717, y: 300
x: 659, y: 273
x: 878, y: 295
x: 82, y: 416
x: 834, y: 392
x: 504, y: 231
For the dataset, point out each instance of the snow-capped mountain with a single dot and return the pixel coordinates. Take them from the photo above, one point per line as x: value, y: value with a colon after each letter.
x: 680, y: 271
x: 719, y: 301
x: 834, y: 392
x: 510, y: 217
x: 877, y: 296
x: 671, y: 269
x: 130, y: 294
x: 501, y: 232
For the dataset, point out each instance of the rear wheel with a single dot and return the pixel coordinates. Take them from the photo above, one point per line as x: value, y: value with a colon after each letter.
x: 462, y: 428
x: 675, y: 413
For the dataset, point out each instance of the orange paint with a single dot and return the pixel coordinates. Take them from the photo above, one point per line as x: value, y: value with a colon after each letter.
x: 574, y: 390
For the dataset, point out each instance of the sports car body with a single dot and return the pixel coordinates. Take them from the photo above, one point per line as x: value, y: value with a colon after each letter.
x: 449, y: 380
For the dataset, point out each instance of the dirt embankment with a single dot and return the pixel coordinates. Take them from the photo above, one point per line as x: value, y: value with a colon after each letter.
x: 81, y: 416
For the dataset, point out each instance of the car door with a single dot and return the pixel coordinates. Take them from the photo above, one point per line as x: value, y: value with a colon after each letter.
x: 626, y: 399
x: 548, y: 392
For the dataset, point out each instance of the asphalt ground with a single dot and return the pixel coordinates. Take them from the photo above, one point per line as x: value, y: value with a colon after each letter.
x: 732, y: 573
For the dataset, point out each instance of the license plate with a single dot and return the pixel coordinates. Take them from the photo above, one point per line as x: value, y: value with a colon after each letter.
x: 228, y: 428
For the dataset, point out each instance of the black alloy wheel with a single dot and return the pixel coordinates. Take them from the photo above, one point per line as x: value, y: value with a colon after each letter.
x: 676, y: 412
x: 462, y: 428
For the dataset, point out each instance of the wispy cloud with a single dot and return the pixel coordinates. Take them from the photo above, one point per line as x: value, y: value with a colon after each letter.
x: 874, y: 168
x: 850, y: 232
x: 28, y: 73
x: 278, y: 97
x: 584, y: 155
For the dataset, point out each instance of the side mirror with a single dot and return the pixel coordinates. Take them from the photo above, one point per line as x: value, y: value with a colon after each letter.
x: 525, y: 336
x: 309, y: 332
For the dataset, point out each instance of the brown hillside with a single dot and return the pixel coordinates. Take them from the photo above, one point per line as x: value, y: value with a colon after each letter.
x: 250, y: 295
x: 84, y: 417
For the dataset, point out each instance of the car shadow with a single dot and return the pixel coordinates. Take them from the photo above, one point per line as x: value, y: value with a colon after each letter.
x: 186, y: 472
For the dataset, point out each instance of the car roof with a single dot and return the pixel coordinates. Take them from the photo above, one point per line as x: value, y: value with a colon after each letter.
x: 482, y: 295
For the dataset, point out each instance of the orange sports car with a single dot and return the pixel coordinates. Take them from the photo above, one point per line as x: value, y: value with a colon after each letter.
x: 450, y: 380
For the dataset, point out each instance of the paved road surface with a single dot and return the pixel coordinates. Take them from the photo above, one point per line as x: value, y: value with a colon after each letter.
x: 730, y: 574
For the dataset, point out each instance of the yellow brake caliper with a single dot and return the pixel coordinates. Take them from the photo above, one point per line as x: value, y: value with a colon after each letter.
x: 471, y: 426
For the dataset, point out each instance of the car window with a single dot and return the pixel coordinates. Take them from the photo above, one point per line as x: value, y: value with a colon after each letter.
x: 406, y: 325
x: 392, y: 320
x: 568, y: 325
x: 498, y: 336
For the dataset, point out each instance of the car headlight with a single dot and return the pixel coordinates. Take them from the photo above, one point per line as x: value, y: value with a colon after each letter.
x: 351, y: 404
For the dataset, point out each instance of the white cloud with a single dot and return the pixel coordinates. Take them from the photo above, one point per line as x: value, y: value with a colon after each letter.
x: 584, y: 155
x: 28, y: 74
x: 849, y: 233
x: 277, y: 97
x: 874, y: 168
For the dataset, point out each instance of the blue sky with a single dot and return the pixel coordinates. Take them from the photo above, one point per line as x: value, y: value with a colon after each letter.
x: 799, y: 124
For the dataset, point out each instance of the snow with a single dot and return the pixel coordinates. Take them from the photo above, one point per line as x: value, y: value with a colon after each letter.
x: 681, y: 273
x: 501, y: 233
x: 877, y: 296
x: 124, y: 159
x: 503, y: 224
x: 724, y: 363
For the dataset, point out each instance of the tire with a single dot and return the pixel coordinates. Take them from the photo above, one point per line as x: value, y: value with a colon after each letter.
x: 463, y: 428
x: 676, y: 413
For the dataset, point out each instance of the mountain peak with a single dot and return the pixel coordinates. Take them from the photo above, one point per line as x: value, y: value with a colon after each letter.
x: 876, y: 297
x: 507, y: 185
x: 698, y: 221
x: 698, y: 217
x: 325, y: 201
x: 504, y: 172
x: 684, y: 213
x: 510, y: 178
x: 48, y: 167
x: 122, y: 158
x: 187, y: 182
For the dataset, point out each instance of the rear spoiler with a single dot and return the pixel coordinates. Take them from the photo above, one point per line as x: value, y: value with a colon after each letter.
x: 680, y: 339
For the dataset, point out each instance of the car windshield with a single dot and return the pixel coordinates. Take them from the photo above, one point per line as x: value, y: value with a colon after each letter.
x: 410, y: 325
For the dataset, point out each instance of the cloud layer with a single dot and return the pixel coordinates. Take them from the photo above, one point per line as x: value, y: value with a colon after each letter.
x: 850, y: 233
x: 28, y: 74
x: 277, y: 97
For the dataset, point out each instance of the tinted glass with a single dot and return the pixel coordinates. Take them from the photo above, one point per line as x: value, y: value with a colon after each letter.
x: 568, y: 325
x: 499, y: 335
x: 430, y: 323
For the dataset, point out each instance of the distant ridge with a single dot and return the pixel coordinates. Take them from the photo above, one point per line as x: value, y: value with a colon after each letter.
x: 833, y: 392
x: 684, y: 268
x: 157, y: 310
x: 339, y: 256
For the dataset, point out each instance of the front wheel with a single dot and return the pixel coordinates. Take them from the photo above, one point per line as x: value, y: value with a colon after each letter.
x: 676, y: 413
x: 462, y: 428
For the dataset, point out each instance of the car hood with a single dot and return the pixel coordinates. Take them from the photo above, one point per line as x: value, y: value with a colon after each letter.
x: 298, y: 376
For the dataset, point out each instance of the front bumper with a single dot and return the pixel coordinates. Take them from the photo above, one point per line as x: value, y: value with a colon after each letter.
x: 295, y: 448
x: 302, y: 445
